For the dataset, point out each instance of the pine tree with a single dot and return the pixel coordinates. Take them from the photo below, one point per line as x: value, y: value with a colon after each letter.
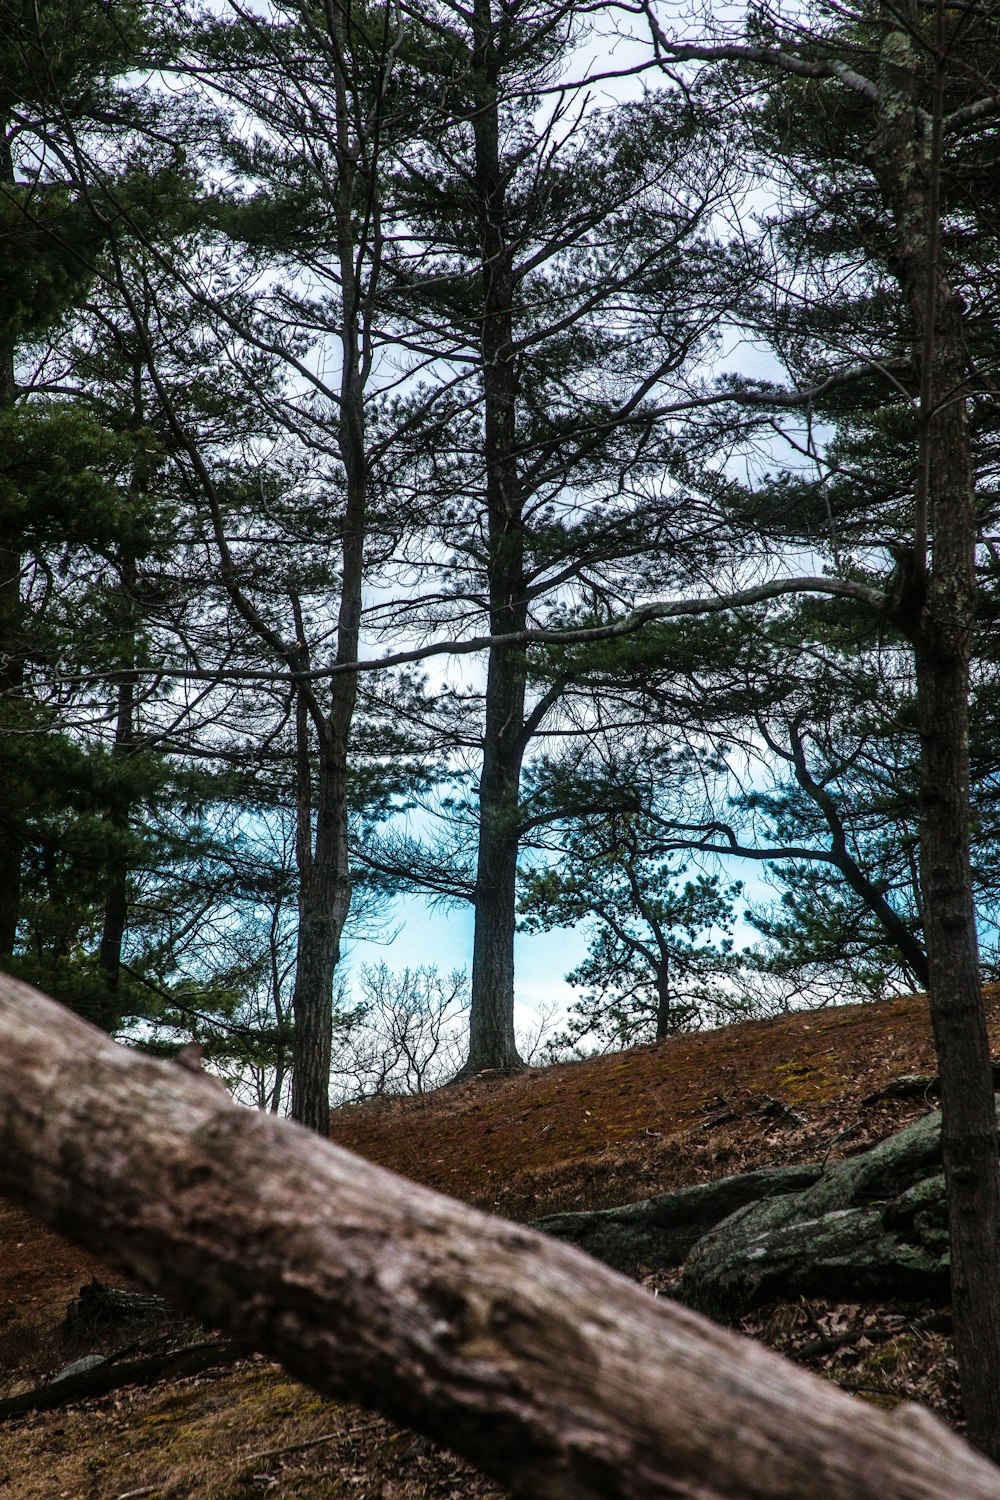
x: 554, y: 258
x: 59, y: 60
x: 877, y: 121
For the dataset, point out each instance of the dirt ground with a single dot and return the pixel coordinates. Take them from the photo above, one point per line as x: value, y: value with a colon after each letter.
x: 617, y: 1128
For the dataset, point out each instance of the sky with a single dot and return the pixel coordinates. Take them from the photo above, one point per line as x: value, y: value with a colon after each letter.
x: 421, y: 934
x: 427, y: 934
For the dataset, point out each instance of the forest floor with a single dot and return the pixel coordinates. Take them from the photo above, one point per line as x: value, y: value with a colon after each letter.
x: 806, y: 1087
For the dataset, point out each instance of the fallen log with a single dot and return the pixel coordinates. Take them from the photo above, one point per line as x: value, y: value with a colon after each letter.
x: 111, y: 1375
x: 547, y: 1370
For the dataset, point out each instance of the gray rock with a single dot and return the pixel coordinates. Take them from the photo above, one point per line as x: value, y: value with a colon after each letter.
x: 660, y: 1231
x: 79, y: 1367
x: 875, y: 1225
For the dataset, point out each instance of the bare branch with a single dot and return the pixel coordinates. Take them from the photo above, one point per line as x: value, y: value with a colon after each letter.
x: 646, y: 614
x: 777, y: 57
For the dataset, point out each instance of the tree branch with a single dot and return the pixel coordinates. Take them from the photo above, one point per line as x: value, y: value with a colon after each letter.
x: 778, y: 57
x: 646, y: 614
x: 892, y: 923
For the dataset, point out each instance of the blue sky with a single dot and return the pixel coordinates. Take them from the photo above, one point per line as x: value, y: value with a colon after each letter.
x: 424, y: 934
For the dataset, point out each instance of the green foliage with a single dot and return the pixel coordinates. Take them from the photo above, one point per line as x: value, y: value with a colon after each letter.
x: 653, y: 967
x: 661, y: 953
x: 64, y: 53
x: 133, y: 225
x: 48, y: 243
x: 64, y: 481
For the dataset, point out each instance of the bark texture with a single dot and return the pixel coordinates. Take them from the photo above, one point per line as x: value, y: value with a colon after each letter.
x: 491, y: 1015
x: 937, y: 612
x: 546, y: 1369
x: 11, y: 660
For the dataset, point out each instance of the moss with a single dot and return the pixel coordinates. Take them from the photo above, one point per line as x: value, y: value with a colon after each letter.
x: 885, y: 1359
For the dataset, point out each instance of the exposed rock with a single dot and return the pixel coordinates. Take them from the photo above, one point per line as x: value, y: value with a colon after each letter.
x: 659, y: 1232
x: 79, y: 1367
x: 875, y: 1225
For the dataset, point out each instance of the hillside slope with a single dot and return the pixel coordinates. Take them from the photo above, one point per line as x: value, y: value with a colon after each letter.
x: 615, y: 1128
x: 804, y: 1087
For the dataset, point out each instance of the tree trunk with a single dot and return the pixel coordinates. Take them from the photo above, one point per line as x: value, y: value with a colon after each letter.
x: 325, y: 876
x: 324, y: 902
x: 325, y: 882
x: 492, y: 1044
x: 11, y: 660
x: 936, y: 609
x: 969, y: 1136
x: 559, y: 1378
x: 283, y: 1031
x: 318, y: 952
x: 109, y: 956
x: 491, y: 1041
x: 11, y: 677
x: 664, y: 1009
